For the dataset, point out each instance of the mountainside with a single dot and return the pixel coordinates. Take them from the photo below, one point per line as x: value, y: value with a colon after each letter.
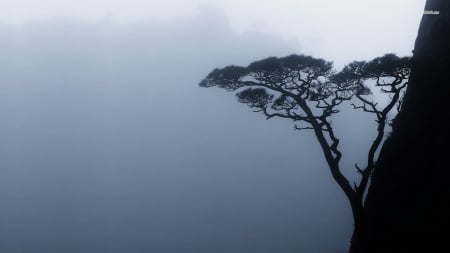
x: 408, y: 203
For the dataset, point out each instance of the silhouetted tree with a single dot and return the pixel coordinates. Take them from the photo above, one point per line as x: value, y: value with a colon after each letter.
x: 309, y: 91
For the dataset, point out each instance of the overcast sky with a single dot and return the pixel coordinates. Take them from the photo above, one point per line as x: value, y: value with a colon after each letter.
x: 338, y: 30
x: 107, y: 144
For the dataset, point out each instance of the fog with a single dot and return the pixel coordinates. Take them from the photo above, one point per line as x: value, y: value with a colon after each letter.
x: 109, y: 145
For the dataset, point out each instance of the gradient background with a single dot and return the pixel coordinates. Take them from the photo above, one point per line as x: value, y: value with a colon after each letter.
x: 107, y: 144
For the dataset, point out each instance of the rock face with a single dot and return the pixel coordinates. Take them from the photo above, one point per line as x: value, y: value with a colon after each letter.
x: 408, y: 203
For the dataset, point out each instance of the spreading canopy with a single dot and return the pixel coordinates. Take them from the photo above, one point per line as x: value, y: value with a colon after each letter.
x: 284, y: 87
x: 308, y: 91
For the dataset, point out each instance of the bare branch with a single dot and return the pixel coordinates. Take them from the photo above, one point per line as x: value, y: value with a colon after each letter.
x: 360, y: 171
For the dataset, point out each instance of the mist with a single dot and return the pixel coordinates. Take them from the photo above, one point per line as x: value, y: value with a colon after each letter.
x: 109, y: 145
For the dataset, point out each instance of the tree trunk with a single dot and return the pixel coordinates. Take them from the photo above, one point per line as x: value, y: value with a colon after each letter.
x: 408, y: 203
x: 359, y: 240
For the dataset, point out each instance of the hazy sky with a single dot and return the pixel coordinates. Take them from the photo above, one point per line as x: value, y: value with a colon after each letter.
x: 324, y: 27
x: 107, y: 144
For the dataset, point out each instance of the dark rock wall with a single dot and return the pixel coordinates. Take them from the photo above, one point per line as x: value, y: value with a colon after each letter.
x: 408, y: 203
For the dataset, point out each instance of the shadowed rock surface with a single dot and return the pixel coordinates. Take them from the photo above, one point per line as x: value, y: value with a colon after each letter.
x: 408, y: 204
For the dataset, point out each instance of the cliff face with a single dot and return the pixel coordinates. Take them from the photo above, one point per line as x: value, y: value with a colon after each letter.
x: 408, y: 204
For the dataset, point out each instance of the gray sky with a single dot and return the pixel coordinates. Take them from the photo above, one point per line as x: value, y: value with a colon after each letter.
x: 324, y: 28
x: 108, y: 144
